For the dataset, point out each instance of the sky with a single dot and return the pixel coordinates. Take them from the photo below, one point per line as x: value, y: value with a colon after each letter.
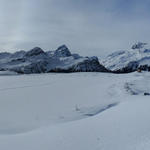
x: 88, y: 27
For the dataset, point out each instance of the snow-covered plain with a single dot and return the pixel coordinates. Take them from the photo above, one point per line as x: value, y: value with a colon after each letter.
x: 78, y: 111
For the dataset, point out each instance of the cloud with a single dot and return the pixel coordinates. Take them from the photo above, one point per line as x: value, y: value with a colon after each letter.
x: 95, y: 27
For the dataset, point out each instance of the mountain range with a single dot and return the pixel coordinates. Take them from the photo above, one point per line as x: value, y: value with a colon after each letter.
x: 38, y: 61
x: 62, y: 60
x: 128, y: 60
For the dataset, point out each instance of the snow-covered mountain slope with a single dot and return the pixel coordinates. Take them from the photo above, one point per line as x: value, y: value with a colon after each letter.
x: 128, y: 61
x: 38, y: 61
x: 74, y: 111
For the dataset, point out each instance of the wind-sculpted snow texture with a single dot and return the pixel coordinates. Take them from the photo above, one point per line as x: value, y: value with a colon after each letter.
x: 128, y: 61
x: 80, y: 111
x: 38, y: 61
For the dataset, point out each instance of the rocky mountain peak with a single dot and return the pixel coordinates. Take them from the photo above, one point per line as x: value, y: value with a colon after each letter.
x: 62, y: 51
x: 34, y: 52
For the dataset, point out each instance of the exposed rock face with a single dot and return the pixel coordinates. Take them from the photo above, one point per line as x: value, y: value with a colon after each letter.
x: 62, y: 51
x: 38, y: 61
x: 131, y: 67
x: 139, y: 45
x: 34, y: 52
x: 89, y: 65
x: 37, y: 67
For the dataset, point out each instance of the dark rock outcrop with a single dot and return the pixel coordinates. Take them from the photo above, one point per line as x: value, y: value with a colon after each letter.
x: 62, y: 51
x: 34, y: 52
